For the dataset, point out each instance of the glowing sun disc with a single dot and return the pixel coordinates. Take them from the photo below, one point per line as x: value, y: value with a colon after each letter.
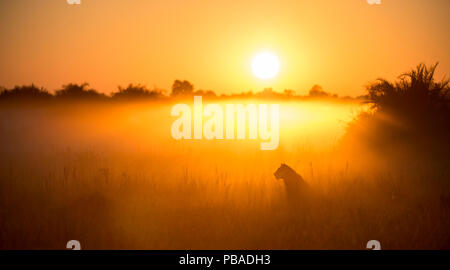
x: 265, y: 65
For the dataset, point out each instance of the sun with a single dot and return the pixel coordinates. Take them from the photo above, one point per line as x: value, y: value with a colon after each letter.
x: 265, y: 65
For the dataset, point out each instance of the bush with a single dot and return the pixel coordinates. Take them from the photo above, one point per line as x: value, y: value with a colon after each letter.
x: 136, y: 92
x: 413, y: 111
x: 76, y: 91
x: 25, y: 92
x: 415, y: 98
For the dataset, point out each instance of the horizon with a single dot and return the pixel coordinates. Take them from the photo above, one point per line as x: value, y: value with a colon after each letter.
x: 323, y: 94
x: 154, y: 43
x: 253, y: 125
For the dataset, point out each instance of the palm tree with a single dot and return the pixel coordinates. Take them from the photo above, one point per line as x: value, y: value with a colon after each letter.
x: 416, y: 95
x: 413, y: 111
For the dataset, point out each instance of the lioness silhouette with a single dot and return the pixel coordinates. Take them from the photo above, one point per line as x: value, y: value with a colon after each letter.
x: 294, y: 184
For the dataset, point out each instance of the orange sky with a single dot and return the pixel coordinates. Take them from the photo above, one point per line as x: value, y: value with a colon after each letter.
x: 340, y: 45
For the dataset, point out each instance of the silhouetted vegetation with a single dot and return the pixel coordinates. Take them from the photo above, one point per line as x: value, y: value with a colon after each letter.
x: 78, y: 91
x: 416, y: 98
x: 268, y: 93
x: 113, y: 178
x: 205, y: 93
x: 133, y: 92
x: 182, y: 88
x: 317, y: 92
x: 26, y: 92
x: 414, y: 110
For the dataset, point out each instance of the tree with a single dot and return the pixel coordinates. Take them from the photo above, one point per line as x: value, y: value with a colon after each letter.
x: 136, y: 92
x: 413, y: 111
x: 182, y: 88
x: 317, y: 91
x: 25, y: 92
x: 205, y: 93
x: 76, y: 91
x: 289, y: 92
x: 268, y: 92
x: 415, y: 94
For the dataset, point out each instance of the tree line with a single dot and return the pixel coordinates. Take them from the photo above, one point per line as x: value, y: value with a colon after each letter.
x: 180, y: 88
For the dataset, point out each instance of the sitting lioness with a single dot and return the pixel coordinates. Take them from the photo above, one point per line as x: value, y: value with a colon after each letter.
x: 294, y: 184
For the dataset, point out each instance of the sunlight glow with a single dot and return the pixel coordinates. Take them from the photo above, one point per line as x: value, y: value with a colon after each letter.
x: 265, y: 65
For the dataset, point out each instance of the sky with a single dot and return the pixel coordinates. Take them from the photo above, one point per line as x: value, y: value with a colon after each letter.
x: 340, y: 45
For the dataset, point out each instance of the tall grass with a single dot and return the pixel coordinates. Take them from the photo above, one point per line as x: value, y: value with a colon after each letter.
x: 111, y: 177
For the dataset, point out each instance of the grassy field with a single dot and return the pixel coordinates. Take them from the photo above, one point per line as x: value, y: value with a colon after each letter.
x: 111, y: 177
